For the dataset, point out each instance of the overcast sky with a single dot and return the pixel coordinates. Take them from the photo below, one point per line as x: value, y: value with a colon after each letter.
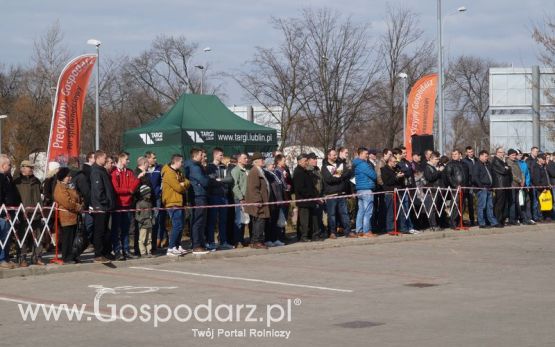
x: 496, y: 29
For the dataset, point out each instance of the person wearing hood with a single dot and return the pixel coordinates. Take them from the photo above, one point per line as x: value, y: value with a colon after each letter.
x: 365, y: 178
x: 70, y: 204
x: 29, y: 190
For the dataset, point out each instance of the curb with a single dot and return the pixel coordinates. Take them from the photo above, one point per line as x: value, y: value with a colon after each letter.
x: 246, y: 252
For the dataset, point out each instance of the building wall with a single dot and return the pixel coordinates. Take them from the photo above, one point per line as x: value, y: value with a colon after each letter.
x: 511, y: 114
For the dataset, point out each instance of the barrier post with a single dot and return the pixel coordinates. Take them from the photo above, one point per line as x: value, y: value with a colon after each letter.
x: 56, y: 259
x: 394, y: 232
x: 461, y: 211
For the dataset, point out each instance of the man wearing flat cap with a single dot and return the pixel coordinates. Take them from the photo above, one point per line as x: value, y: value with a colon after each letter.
x: 28, y: 187
x: 258, y: 193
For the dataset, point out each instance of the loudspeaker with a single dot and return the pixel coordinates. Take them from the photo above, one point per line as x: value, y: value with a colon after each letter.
x: 421, y: 143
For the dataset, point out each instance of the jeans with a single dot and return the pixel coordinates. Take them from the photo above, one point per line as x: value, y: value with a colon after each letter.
x: 88, y: 222
x: 485, y: 202
x: 239, y: 228
x: 120, y: 232
x: 176, y: 216
x: 334, y: 206
x: 198, y: 223
x: 159, y: 231
x: 514, y: 207
x: 219, y: 214
x: 4, y: 230
x: 535, y: 205
x: 364, y: 214
x: 405, y: 224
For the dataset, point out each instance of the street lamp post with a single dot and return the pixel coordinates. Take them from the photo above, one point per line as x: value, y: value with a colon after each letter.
x: 404, y: 76
x: 96, y: 43
x: 4, y: 116
x: 441, y: 111
x: 201, y: 68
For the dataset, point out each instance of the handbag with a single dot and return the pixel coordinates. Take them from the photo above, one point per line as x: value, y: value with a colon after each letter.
x: 245, y: 218
x: 80, y: 242
x: 282, y: 221
x: 546, y: 201
x: 521, y: 198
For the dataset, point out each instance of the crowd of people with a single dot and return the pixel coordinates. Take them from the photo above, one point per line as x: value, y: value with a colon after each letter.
x: 103, y: 201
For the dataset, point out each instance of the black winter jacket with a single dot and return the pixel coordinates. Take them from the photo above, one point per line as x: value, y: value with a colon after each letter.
x: 456, y: 174
x: 334, y: 184
x: 482, y: 176
x: 502, y: 174
x: 305, y: 188
x: 103, y: 196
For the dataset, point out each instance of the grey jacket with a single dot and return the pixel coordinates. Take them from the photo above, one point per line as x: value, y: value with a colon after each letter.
x: 144, y: 218
x: 518, y: 177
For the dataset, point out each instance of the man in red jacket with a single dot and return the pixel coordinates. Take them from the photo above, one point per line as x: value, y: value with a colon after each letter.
x: 125, y: 183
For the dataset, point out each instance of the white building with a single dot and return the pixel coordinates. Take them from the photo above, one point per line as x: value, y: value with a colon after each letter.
x: 261, y: 115
x: 516, y: 96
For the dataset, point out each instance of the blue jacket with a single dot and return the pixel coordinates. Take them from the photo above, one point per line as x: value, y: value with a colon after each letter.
x: 365, y: 175
x: 155, y: 177
x: 198, y: 177
x: 525, y: 172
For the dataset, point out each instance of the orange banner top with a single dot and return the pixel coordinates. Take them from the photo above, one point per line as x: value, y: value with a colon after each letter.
x: 67, y: 114
x: 420, y: 112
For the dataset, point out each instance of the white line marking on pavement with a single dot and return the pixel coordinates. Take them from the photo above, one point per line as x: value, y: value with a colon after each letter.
x: 243, y: 279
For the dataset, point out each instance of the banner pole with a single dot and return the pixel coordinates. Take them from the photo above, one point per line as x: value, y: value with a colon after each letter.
x: 394, y: 232
x: 56, y: 259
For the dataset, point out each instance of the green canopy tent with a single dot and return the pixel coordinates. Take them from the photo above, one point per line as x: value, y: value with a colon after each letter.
x: 198, y: 121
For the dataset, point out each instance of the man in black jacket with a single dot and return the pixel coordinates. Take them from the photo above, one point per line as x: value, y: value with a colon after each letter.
x: 531, y: 162
x: 103, y: 200
x: 540, y: 178
x: 335, y: 180
x: 304, y: 187
x: 456, y: 175
x: 470, y: 161
x: 9, y: 196
x: 433, y: 175
x: 502, y: 178
x: 482, y: 178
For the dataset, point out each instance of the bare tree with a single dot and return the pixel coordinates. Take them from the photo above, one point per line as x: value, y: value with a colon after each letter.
x: 278, y: 78
x: 544, y: 35
x: 165, y: 69
x: 340, y: 70
x: 31, y: 111
x: 467, y: 92
x: 401, y: 50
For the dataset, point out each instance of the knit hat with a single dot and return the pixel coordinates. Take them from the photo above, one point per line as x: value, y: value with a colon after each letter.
x: 144, y: 190
x: 62, y: 173
x: 511, y: 151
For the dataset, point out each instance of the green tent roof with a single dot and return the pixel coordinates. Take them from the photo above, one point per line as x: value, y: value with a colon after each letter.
x: 201, y: 112
x: 199, y: 120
